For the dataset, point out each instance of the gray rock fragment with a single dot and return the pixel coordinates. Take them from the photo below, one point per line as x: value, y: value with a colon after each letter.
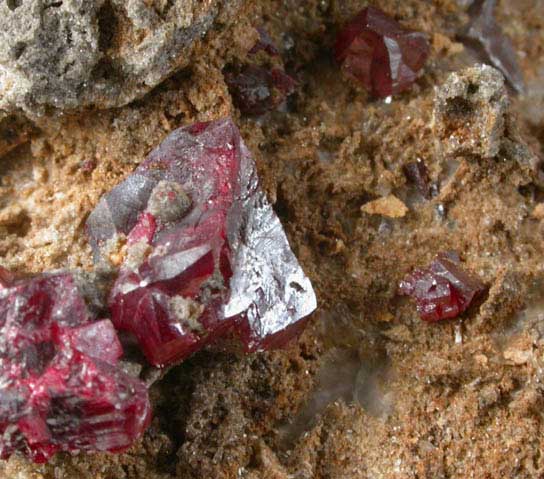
x: 471, y: 118
x: 72, y: 54
x: 469, y: 112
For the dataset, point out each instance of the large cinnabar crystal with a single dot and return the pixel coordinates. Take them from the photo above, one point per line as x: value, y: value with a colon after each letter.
x: 204, y: 251
x: 377, y: 51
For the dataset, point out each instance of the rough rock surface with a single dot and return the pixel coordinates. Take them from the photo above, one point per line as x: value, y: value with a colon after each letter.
x: 100, y: 53
x: 469, y: 114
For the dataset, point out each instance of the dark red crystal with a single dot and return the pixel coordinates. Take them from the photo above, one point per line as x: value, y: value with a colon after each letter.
x: 443, y: 290
x: 377, y: 51
x: 417, y: 173
x: 211, y: 259
x: 256, y: 90
x: 60, y: 388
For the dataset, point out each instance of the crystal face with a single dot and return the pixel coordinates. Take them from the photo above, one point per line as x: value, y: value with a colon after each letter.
x: 484, y: 35
x: 376, y: 50
x: 60, y: 389
x: 222, y: 264
x: 443, y: 290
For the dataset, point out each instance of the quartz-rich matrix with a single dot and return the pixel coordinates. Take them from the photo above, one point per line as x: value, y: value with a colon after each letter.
x: 443, y: 290
x: 202, y: 251
x: 60, y: 386
x: 377, y: 51
x: 95, y: 53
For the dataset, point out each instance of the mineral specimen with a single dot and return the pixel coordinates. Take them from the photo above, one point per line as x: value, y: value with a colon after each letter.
x: 256, y: 90
x: 443, y: 290
x: 205, y: 252
x: 486, y: 37
x: 60, y: 387
x: 377, y: 51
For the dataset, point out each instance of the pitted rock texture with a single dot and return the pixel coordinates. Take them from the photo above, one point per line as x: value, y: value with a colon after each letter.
x: 469, y: 112
x: 95, y: 53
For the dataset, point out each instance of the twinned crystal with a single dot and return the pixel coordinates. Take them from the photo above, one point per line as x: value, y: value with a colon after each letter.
x: 203, y: 252
x: 377, y: 51
x: 60, y: 387
x: 443, y: 290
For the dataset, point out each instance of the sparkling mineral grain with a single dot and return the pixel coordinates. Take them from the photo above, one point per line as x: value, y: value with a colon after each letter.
x: 205, y: 252
x: 443, y: 290
x: 376, y: 50
x: 60, y: 387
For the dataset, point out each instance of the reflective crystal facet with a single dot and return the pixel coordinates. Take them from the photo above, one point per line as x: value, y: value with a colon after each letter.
x: 377, y: 51
x: 223, y: 263
x: 485, y: 36
x: 60, y: 389
x: 443, y: 290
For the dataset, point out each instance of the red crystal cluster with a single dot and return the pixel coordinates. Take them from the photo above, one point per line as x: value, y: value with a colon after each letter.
x: 443, y: 290
x: 205, y: 252
x: 376, y: 50
x: 60, y: 386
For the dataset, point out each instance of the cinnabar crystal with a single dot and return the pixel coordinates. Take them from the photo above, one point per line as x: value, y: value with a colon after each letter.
x: 205, y: 253
x: 60, y: 387
x: 443, y: 290
x: 376, y: 50
x: 256, y: 90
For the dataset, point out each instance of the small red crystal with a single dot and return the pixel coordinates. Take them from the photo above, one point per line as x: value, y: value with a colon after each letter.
x: 205, y: 252
x: 256, y: 90
x: 376, y: 50
x: 60, y: 389
x: 443, y: 290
